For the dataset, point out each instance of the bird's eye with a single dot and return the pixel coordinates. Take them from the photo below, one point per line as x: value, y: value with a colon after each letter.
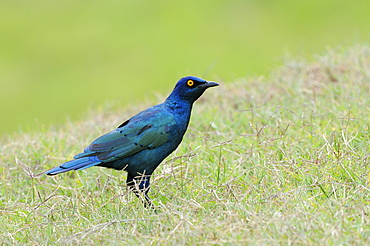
x: 190, y: 83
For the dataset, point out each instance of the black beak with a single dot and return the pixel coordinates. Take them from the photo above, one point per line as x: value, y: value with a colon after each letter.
x: 209, y: 84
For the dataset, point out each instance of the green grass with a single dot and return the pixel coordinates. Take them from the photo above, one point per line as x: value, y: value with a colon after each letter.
x: 270, y: 160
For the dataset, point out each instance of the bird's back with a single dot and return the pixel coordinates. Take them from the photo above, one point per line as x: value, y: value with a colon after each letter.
x: 158, y: 132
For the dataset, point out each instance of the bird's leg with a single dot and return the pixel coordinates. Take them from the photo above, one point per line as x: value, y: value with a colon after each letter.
x: 140, y: 185
x: 143, y: 186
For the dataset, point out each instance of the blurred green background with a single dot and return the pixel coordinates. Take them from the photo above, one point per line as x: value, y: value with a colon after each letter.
x: 58, y: 58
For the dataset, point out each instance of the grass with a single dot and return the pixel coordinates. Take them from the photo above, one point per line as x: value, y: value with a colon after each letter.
x: 270, y: 160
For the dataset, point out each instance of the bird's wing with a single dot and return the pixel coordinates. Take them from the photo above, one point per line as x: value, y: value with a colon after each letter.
x: 135, y: 135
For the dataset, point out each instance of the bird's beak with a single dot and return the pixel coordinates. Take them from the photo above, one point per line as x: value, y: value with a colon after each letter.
x: 209, y: 84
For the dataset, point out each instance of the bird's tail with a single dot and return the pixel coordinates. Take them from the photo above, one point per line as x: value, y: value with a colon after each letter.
x: 76, y: 164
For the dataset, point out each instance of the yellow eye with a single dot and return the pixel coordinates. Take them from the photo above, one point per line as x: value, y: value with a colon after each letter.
x: 190, y: 83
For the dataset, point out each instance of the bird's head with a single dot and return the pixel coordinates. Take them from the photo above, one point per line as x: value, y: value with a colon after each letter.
x: 190, y: 88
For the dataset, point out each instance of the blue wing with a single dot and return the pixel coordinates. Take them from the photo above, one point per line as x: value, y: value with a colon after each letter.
x: 147, y: 130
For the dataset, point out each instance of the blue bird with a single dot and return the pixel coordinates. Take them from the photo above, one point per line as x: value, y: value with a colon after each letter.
x: 141, y: 143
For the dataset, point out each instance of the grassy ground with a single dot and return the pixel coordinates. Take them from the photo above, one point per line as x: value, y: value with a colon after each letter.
x: 266, y: 161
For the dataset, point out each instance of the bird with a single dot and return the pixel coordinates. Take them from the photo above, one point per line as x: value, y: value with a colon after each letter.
x: 142, y: 142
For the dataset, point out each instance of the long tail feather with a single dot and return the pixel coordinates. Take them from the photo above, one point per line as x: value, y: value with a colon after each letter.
x: 77, y: 164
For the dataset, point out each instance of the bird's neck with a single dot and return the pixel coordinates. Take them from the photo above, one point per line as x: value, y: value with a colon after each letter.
x: 179, y: 107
